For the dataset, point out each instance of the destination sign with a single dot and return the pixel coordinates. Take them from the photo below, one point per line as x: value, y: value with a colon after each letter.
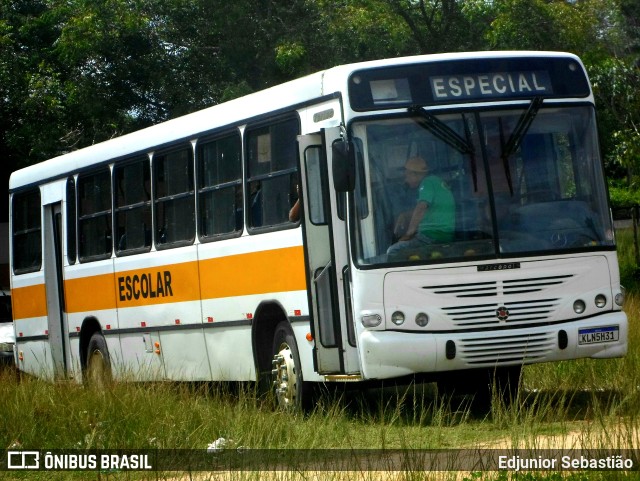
x: 490, y: 85
x: 467, y: 80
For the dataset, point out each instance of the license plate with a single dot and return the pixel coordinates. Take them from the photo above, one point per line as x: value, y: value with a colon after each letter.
x: 597, y: 335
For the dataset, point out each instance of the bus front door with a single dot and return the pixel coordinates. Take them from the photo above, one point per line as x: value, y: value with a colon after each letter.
x: 326, y: 259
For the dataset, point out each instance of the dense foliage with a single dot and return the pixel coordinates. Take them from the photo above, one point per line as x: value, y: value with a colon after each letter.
x: 76, y: 72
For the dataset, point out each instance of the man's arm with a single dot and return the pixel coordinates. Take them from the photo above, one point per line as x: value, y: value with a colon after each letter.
x: 294, y: 213
x: 416, y: 218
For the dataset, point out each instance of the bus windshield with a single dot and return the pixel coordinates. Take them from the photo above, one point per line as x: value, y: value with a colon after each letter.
x: 479, y: 184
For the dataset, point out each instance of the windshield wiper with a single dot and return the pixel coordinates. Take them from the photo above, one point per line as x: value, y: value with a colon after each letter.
x: 522, y: 127
x: 445, y: 133
x: 441, y: 130
x: 524, y: 122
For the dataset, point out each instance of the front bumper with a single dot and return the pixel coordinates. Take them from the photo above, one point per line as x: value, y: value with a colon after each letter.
x: 388, y: 354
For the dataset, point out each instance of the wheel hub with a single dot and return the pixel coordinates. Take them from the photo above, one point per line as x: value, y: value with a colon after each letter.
x: 284, y: 377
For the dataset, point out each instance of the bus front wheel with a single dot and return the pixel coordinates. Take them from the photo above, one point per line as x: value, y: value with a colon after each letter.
x: 290, y: 390
x: 98, y: 369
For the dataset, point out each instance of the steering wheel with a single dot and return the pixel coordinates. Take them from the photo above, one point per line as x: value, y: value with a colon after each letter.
x: 572, y: 239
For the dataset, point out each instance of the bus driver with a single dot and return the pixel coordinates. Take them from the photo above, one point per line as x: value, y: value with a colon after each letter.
x: 433, y: 218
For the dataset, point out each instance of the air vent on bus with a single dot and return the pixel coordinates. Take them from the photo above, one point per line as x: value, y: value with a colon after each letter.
x: 477, y: 289
x: 506, y: 349
x: 523, y: 286
x: 494, y: 288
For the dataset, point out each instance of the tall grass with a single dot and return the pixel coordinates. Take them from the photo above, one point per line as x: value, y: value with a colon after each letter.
x: 42, y: 415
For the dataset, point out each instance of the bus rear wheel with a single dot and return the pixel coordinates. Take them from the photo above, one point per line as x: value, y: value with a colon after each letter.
x: 290, y: 390
x: 98, y: 369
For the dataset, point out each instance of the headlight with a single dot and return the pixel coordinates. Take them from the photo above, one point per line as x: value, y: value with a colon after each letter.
x: 397, y: 318
x: 422, y: 319
x: 579, y: 306
x: 601, y: 301
x: 619, y: 299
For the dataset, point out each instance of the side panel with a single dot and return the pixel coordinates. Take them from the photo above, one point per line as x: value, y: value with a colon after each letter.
x: 183, y: 313
x: 157, y: 296
x: 234, y: 279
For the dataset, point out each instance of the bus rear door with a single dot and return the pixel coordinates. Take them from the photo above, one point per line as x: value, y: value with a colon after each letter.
x: 56, y: 319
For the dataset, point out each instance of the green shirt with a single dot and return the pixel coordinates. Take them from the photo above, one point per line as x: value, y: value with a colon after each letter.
x: 439, y: 220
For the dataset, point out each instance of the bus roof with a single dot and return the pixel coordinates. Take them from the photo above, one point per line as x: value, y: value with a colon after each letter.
x: 192, y: 125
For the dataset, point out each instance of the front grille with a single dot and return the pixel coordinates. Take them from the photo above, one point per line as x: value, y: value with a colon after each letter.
x: 509, y: 301
x: 486, y: 315
x: 495, y: 349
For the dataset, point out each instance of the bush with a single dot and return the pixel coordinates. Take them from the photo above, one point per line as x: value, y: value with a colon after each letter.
x: 623, y: 197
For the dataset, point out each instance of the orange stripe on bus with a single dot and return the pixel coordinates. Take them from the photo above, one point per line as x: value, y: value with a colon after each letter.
x: 30, y: 301
x: 277, y: 270
x: 91, y: 293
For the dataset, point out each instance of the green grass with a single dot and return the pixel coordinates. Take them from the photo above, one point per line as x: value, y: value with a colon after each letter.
x: 598, y: 401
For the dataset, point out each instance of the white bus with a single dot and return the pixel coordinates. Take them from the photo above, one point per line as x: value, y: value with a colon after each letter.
x: 169, y: 253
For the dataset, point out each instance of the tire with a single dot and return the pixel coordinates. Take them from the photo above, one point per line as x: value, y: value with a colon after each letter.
x: 290, y: 390
x: 97, y: 372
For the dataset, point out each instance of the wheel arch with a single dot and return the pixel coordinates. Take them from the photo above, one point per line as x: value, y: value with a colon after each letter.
x: 90, y: 326
x: 267, y: 316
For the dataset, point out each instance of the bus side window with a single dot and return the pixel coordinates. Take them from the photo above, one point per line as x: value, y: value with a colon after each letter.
x: 94, y: 215
x: 220, y: 187
x: 27, y: 232
x: 272, y: 172
x: 133, y: 206
x: 174, y: 198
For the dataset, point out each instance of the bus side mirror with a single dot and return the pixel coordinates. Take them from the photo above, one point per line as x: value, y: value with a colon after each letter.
x: 344, y: 166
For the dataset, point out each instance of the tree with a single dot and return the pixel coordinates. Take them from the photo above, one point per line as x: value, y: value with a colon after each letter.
x: 31, y: 91
x: 550, y: 25
x: 445, y: 25
x: 616, y: 83
x: 630, y: 10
